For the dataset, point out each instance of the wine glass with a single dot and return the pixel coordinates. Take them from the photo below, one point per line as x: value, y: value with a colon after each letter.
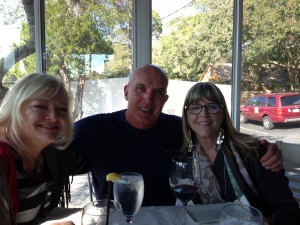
x: 239, y: 214
x: 182, y: 181
x: 129, y: 192
x: 95, y: 213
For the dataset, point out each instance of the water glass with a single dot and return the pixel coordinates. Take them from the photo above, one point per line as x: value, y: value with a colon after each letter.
x: 95, y: 213
x: 239, y: 214
x: 129, y: 191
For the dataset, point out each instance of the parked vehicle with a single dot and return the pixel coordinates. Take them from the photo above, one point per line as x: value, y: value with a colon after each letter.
x: 271, y: 109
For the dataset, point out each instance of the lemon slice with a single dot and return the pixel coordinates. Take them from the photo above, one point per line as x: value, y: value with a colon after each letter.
x: 113, y: 177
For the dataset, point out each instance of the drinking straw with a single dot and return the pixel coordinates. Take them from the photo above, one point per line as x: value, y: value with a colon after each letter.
x: 108, y: 202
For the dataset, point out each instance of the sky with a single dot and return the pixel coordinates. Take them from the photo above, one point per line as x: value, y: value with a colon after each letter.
x: 11, y: 36
x: 169, y: 9
x: 9, y: 33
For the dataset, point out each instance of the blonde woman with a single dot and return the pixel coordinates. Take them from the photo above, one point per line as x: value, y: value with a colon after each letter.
x: 35, y: 127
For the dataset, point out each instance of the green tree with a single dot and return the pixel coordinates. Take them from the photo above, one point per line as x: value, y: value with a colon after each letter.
x: 12, y: 12
x: 119, y: 66
x: 270, y: 40
x: 122, y: 39
x: 74, y: 31
x: 196, y: 41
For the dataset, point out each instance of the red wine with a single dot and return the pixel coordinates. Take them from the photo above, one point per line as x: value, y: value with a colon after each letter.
x: 185, y: 192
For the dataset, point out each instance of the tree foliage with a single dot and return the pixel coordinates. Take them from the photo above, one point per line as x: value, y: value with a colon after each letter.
x: 271, y: 35
x: 270, y: 40
x: 72, y: 31
x: 12, y: 12
x: 75, y: 30
x: 196, y: 41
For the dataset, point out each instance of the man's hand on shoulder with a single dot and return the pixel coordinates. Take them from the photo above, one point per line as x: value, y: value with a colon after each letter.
x: 63, y: 223
x: 272, y: 160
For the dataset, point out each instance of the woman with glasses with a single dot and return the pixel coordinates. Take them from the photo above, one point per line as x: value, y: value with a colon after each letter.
x: 227, y: 162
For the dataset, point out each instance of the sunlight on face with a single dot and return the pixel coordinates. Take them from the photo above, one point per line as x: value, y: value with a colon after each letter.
x: 45, y: 119
x: 146, y: 96
x: 206, y: 125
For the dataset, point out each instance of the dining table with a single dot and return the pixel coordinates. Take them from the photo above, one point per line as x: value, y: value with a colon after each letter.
x: 150, y: 215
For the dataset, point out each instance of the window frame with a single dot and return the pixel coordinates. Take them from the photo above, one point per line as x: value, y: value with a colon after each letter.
x: 142, y: 43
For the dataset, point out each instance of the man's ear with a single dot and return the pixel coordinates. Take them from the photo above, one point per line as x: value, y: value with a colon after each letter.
x: 126, y: 92
x: 167, y: 97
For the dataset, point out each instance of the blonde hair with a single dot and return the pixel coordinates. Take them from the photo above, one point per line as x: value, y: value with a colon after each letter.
x: 30, y: 87
x: 209, y: 91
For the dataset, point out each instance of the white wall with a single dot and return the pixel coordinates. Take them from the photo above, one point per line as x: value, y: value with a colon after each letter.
x: 101, y: 96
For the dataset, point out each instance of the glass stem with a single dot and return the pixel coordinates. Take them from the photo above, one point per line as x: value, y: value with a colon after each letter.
x: 184, y: 213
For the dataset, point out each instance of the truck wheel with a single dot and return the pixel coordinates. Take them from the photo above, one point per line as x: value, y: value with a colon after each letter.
x: 268, y: 125
x: 243, y: 118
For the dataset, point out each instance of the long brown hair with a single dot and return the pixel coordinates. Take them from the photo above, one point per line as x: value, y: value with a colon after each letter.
x: 209, y: 91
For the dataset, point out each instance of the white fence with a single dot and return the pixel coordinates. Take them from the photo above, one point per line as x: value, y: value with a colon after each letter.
x: 107, y: 95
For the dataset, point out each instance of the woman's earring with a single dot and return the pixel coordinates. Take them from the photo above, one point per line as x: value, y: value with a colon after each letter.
x: 220, y: 140
x: 190, y: 145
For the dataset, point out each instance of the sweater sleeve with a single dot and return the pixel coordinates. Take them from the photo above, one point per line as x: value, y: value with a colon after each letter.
x: 274, y: 191
x: 7, y: 158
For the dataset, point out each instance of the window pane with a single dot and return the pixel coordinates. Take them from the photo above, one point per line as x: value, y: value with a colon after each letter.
x: 272, y: 101
x: 270, y: 56
x: 290, y: 100
x: 88, y: 45
x: 17, y: 44
x: 192, y: 41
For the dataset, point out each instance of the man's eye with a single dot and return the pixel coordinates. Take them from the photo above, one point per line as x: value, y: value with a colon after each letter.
x: 160, y: 92
x: 141, y: 88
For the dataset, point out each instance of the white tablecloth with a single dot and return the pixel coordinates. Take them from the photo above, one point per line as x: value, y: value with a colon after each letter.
x: 153, y: 215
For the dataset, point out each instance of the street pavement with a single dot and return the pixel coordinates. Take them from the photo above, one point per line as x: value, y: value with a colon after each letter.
x: 80, y: 194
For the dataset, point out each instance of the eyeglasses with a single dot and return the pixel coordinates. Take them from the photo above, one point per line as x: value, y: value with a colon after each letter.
x: 212, y: 108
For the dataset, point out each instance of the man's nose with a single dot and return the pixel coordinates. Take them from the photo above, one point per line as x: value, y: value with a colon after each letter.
x: 148, y: 96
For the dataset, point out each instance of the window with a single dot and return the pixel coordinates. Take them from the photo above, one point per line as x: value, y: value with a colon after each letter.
x: 253, y: 101
x: 17, y: 42
x: 272, y: 101
x: 192, y: 42
x: 269, y: 30
x: 186, y: 39
x: 90, y: 48
x: 261, y: 101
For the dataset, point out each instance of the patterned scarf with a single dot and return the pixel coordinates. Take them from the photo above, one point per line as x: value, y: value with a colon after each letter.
x: 207, y: 181
x: 205, y: 178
